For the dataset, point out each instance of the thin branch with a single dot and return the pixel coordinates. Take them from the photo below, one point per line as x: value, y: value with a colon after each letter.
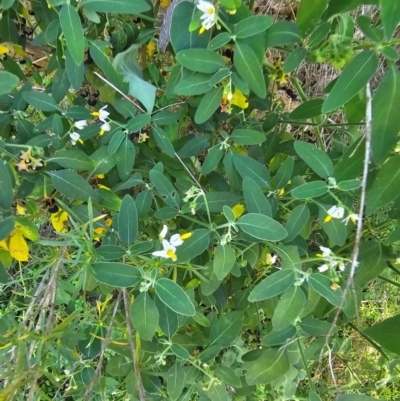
x: 119, y: 91
x: 190, y: 173
x: 356, y: 249
x: 103, y: 349
x: 132, y: 345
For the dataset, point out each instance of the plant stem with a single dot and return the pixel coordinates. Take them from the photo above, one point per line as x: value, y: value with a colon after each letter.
x: 304, y: 98
x: 303, y: 358
x: 389, y: 281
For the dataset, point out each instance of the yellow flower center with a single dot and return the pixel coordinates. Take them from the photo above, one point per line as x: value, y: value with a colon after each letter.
x: 185, y: 236
x: 202, y: 30
x: 319, y: 255
x: 353, y: 219
x: 210, y: 10
x: 281, y: 191
x: 171, y: 254
x: 328, y: 218
x: 238, y: 210
x: 101, y: 133
x: 96, y: 114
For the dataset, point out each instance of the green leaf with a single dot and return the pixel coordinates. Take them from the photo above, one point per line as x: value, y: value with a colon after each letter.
x: 350, y: 165
x: 181, y: 37
x: 125, y: 158
x: 256, y: 202
x: 212, y: 159
x: 385, y: 187
x: 226, y: 328
x: 218, y: 41
x: 322, y: 285
x: 6, y: 187
x: 165, y: 117
x: 208, y: 105
x: 297, y: 221
x: 3, y: 274
x: 224, y: 259
x: 315, y: 158
x: 200, y: 60
x: 175, y: 381
x: 288, y: 308
x: 385, y: 334
x: 144, y: 316
x: 245, y: 136
x: 294, y: 59
x: 219, y: 76
x: 163, y: 141
x: 73, y: 33
x: 229, y: 376
x: 142, y: 90
x: 117, y: 6
x: 353, y: 78
x: 284, y: 173
x: 278, y: 337
x: 196, y: 84
x: 272, y: 286
x: 385, y: 121
x: 98, y: 53
x: 310, y: 190
x: 8, y: 82
x: 390, y: 16
x: 315, y: 327
x: 115, y: 142
x: 166, y: 213
x: 262, y: 227
x: 7, y: 224
x: 310, y: 109
x: 282, y: 33
x: 217, y: 200
x: 252, y: 25
x: 168, y: 319
x: 249, y: 68
x: 108, y: 199
x: 72, y: 158
x: 102, y: 161
x: 165, y: 189
x: 119, y: 275
x: 180, y: 352
x: 40, y: 101
x: 72, y: 185
x: 138, y: 122
x: 372, y: 263
x: 249, y: 167
x: 127, y: 220
x: 195, y: 245
x: 74, y: 71
x: 174, y: 297
x: 272, y: 365
x: 314, y: 396
x: 336, y: 229
x: 60, y: 85
x: 349, y: 185
x: 194, y: 146
x: 110, y: 252
x: 309, y: 14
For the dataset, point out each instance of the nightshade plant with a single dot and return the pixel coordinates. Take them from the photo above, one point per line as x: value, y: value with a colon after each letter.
x: 168, y: 230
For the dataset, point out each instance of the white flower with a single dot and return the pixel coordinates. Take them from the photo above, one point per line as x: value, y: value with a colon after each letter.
x: 323, y: 268
x: 168, y: 251
x: 177, y: 239
x: 397, y: 261
x: 102, y: 114
x: 163, y: 232
x: 326, y: 252
x: 74, y: 137
x: 104, y: 127
x: 341, y: 266
x: 80, y: 124
x: 352, y: 216
x: 336, y: 212
x: 209, y: 17
x: 273, y: 259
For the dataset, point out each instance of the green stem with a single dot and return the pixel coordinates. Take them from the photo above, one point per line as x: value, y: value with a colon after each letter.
x: 389, y: 281
x: 304, y: 98
x: 225, y: 26
x: 195, y: 221
x: 394, y: 269
x: 251, y: 5
x: 312, y: 387
x: 10, y: 155
x: 147, y: 18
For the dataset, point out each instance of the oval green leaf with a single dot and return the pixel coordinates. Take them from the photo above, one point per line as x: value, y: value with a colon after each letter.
x: 115, y: 274
x: 262, y: 227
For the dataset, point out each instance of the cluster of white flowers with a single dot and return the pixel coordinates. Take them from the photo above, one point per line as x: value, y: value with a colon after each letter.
x: 331, y: 260
x: 102, y: 114
x: 169, y: 247
x: 337, y: 212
